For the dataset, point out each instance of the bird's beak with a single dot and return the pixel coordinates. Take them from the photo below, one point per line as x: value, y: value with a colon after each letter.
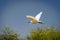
x: 28, y: 22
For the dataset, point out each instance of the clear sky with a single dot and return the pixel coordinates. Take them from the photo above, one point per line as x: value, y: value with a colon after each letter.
x: 13, y: 14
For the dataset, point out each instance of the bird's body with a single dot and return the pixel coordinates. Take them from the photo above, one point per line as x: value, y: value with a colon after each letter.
x: 35, y: 19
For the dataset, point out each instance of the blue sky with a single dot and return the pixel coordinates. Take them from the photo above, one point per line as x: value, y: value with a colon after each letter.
x: 13, y: 14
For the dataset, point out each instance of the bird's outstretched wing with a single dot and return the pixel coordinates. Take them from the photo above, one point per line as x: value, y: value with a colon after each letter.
x: 38, y: 16
x: 30, y: 17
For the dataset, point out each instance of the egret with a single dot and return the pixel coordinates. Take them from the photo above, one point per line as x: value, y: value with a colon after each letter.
x: 35, y: 19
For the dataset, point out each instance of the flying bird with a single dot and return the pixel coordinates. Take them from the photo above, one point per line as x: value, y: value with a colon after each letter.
x: 35, y: 19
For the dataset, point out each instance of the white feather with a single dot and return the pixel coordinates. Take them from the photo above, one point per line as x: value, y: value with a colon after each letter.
x: 38, y: 16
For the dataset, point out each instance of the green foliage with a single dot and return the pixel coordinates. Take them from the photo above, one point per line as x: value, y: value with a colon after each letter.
x: 8, y: 34
x: 44, y: 34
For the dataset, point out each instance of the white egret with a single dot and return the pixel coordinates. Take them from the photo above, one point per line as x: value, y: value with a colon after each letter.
x: 35, y: 19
